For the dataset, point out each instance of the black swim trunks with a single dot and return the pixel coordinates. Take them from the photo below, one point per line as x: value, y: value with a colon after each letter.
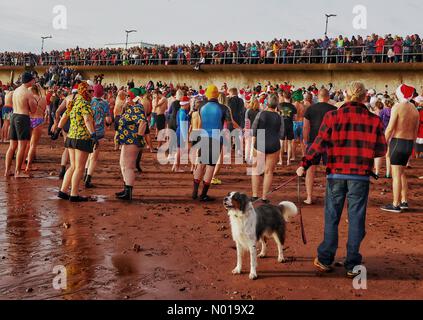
x: 400, y: 151
x: 20, y: 127
x: 161, y: 122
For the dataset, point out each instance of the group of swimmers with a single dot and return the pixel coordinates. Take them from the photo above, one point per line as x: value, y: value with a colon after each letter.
x: 290, y: 119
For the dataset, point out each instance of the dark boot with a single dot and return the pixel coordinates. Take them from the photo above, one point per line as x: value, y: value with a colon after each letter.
x: 195, y: 190
x: 138, y: 163
x: 127, y: 195
x: 62, y: 172
x: 88, y: 183
x: 119, y: 194
x: 204, y: 197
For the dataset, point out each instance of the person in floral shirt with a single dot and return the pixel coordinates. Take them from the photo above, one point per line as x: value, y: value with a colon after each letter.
x: 81, y: 141
x: 131, y: 130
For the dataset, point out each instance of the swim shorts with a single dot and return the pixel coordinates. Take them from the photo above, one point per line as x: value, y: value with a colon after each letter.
x: 6, y: 113
x: 161, y: 122
x: 20, y: 127
x: 298, y: 130
x: 400, y: 151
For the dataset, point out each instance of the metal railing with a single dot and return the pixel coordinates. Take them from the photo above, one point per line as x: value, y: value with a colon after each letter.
x: 307, y: 55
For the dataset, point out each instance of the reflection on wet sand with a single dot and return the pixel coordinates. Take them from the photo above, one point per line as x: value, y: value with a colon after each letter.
x: 21, y: 236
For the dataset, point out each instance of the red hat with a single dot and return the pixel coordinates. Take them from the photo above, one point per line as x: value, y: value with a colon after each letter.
x: 184, y: 101
x: 131, y: 95
x: 405, y: 93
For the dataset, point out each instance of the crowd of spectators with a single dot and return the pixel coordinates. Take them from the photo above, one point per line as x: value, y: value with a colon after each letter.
x: 371, y: 49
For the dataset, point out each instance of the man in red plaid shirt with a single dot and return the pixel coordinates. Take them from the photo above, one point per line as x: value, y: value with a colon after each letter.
x: 352, y: 137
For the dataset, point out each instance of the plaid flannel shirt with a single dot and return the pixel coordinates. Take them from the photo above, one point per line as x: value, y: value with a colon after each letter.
x: 352, y: 137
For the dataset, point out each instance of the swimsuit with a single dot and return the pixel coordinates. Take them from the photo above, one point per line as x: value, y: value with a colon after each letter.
x: 36, y: 122
x: 6, y: 112
x: 298, y: 130
x: 273, y: 126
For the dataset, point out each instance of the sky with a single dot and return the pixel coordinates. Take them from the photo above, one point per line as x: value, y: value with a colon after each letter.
x: 93, y: 23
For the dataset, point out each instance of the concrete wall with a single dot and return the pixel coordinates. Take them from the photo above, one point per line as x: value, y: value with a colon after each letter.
x: 374, y: 75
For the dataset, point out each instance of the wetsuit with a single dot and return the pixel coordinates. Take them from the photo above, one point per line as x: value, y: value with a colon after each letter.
x: 213, y: 115
x: 288, y: 111
x: 274, y: 127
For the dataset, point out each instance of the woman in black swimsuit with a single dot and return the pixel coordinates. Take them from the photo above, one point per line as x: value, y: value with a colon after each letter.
x: 267, y: 146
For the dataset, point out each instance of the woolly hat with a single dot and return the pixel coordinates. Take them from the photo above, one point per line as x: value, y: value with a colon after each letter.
x: 405, y: 93
x: 298, y: 96
x: 212, y: 92
x: 98, y: 91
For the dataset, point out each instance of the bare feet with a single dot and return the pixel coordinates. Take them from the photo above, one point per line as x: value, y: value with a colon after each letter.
x: 7, y: 173
x: 308, y: 202
x: 21, y: 175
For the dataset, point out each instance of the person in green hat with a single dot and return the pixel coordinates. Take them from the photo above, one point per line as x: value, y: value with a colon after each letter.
x: 131, y: 136
x: 298, y: 99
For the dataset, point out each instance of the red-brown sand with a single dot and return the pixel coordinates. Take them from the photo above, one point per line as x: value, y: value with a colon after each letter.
x: 165, y: 246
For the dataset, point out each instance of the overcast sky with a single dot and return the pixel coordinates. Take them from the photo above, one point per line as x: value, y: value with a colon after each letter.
x: 93, y: 23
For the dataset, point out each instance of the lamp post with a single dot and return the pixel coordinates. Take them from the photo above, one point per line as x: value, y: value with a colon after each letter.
x: 127, y: 36
x: 42, y: 41
x: 327, y: 22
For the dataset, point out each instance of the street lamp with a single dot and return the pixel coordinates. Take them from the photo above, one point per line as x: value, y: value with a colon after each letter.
x: 42, y: 42
x: 327, y: 21
x: 127, y: 35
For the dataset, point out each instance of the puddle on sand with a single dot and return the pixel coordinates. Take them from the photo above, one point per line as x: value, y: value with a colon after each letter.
x: 100, y: 199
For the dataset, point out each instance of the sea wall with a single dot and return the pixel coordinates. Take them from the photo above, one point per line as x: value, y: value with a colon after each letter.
x: 374, y: 75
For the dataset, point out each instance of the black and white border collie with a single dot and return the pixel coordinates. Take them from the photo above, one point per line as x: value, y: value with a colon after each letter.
x: 250, y: 225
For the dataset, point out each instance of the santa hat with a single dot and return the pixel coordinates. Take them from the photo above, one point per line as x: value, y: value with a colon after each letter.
x: 405, y: 93
x: 184, y: 101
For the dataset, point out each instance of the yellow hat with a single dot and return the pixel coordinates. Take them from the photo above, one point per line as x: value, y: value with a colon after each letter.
x: 212, y: 92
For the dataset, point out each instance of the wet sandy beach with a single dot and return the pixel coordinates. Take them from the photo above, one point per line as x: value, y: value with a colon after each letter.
x: 165, y: 246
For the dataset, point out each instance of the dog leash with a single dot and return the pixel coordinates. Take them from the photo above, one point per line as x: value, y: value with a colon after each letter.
x: 277, y: 188
x: 303, y: 234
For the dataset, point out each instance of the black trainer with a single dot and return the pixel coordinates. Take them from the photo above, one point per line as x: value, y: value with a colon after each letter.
x: 392, y: 208
x: 404, y: 206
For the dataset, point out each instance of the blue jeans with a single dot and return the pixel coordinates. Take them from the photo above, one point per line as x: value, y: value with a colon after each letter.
x: 356, y: 192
